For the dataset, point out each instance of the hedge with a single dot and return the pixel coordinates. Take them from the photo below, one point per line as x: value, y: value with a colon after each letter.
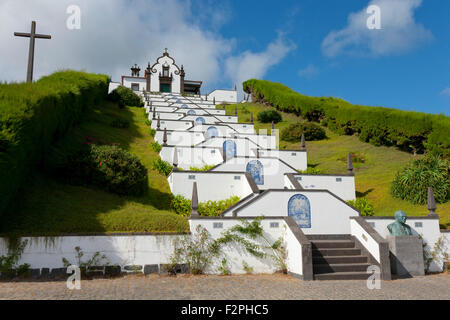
x: 33, y: 116
x: 408, y: 130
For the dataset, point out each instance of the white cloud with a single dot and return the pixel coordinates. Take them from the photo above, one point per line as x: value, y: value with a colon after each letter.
x: 446, y: 91
x: 399, y: 31
x: 250, y: 64
x: 309, y: 71
x: 113, y: 36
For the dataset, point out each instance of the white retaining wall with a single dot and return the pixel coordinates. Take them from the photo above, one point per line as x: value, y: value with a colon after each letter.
x: 274, y: 170
x: 180, y: 138
x: 342, y: 186
x: 192, y: 157
x: 296, y: 159
x: 210, y: 186
x: 223, y: 96
x: 329, y: 215
x: 172, y: 124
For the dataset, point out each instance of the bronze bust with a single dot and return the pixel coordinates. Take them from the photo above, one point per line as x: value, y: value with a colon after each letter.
x: 399, y: 227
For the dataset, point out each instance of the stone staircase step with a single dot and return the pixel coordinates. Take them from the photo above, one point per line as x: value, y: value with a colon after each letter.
x: 333, y: 244
x: 340, y: 267
x: 339, y: 259
x: 342, y: 276
x: 336, y: 252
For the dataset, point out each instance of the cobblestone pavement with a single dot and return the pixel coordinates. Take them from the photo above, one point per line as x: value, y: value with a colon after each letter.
x: 228, y: 287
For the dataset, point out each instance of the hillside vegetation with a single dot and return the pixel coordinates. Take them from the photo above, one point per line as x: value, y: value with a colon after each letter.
x: 44, y: 204
x: 409, y: 131
x: 373, y: 177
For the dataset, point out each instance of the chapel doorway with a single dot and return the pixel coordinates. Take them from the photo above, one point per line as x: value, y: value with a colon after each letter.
x: 164, y: 87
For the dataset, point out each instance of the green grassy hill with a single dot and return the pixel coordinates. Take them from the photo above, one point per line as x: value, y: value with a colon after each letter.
x: 46, y: 206
x: 373, y: 178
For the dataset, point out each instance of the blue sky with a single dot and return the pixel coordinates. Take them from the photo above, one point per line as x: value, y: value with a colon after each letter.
x: 316, y: 47
x: 412, y: 79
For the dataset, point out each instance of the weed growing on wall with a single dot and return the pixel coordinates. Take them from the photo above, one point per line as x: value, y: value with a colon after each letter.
x: 156, y: 146
x: 96, y: 261
x: 363, y: 206
x: 8, y: 263
x: 438, y: 252
x: 182, y: 206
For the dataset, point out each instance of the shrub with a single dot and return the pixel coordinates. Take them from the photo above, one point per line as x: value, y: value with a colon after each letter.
x: 267, y: 116
x: 204, y: 168
x: 156, y: 146
x: 412, y: 182
x: 34, y: 115
x: 182, y: 206
x: 311, y: 170
x: 125, y: 97
x: 409, y: 131
x: 294, y: 132
x: 117, y: 170
x: 119, y: 123
x: 152, y: 133
x: 363, y: 206
x: 148, y: 122
x: 163, y: 167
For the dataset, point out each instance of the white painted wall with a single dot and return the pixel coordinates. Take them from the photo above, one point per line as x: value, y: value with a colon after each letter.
x: 342, y: 186
x: 172, y: 124
x: 274, y: 170
x: 167, y: 116
x: 329, y: 215
x: 180, y: 138
x: 243, y: 146
x: 365, y: 239
x: 121, y: 250
x: 296, y: 159
x: 236, y: 254
x: 192, y: 157
x: 127, y: 81
x: 113, y: 86
x: 231, y: 184
x: 223, y: 96
x: 159, y: 69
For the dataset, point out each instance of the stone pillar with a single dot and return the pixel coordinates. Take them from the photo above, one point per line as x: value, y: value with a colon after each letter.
x: 194, y: 202
x: 431, y: 202
x: 303, y: 142
x: 349, y: 164
x: 175, y: 159
x: 182, y: 74
x: 406, y: 256
x: 164, y: 137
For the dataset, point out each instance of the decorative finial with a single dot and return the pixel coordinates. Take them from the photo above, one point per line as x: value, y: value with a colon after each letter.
x: 224, y: 154
x: 206, y: 97
x: 303, y: 141
x: 349, y: 164
x: 154, y: 113
x: 257, y: 153
x: 251, y: 117
x: 175, y: 159
x: 158, y: 125
x: 235, y: 87
x: 431, y: 202
x: 194, y: 202
x: 165, y: 137
x: 235, y: 111
x: 214, y: 100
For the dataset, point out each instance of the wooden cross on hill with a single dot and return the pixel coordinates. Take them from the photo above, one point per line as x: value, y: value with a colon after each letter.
x: 32, y: 35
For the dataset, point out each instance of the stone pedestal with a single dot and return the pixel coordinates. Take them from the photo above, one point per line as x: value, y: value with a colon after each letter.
x: 406, y: 254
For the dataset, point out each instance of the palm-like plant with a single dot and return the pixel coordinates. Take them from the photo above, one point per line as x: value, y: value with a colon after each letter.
x: 412, y: 182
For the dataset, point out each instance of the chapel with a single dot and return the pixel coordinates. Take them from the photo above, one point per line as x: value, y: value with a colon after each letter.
x: 163, y: 76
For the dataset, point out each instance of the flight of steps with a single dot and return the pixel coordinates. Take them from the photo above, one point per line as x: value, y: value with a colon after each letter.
x: 338, y: 258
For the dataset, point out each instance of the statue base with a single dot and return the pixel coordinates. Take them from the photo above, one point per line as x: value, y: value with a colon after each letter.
x: 406, y: 255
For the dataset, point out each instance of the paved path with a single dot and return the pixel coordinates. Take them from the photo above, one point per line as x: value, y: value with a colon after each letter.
x: 229, y: 287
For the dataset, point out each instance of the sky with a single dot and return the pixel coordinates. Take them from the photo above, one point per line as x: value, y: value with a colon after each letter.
x: 316, y: 47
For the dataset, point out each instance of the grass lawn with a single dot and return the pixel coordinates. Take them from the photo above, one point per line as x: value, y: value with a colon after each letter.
x: 48, y: 207
x: 373, y: 178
